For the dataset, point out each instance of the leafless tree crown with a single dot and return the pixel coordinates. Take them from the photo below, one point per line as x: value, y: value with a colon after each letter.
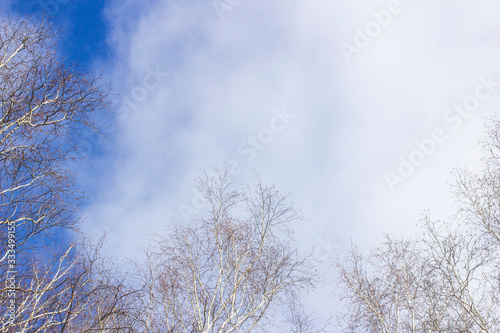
x: 227, y: 269
x: 50, y: 285
x: 448, y: 279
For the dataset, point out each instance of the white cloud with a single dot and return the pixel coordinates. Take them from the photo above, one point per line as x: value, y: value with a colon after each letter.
x: 352, y: 120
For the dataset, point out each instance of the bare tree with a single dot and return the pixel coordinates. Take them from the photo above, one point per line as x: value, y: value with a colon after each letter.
x: 381, y: 290
x: 463, y: 260
x: 48, y: 285
x: 298, y: 320
x: 402, y: 286
x: 71, y: 289
x: 43, y: 105
x: 447, y: 280
x: 477, y: 192
x: 227, y: 269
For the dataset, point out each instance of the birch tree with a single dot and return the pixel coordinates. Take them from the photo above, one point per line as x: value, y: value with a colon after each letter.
x: 69, y: 289
x: 445, y: 280
x: 229, y: 268
x: 44, y: 103
x: 48, y: 284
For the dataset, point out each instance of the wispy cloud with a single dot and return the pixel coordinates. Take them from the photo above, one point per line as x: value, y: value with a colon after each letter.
x: 352, y: 120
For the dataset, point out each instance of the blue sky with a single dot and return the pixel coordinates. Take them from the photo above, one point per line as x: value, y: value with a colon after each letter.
x: 360, y: 109
x: 84, y: 26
